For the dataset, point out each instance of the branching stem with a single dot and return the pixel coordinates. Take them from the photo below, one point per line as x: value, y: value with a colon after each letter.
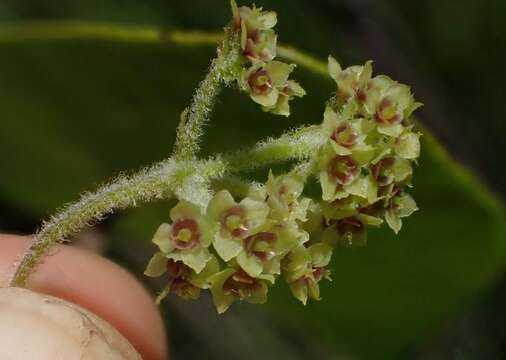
x: 194, y: 117
x: 160, y: 181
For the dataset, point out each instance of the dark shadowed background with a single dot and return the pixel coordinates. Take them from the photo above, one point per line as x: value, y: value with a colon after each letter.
x: 74, y: 112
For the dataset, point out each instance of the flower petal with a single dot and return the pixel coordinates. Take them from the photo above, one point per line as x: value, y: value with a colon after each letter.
x: 340, y: 150
x: 259, y: 295
x: 329, y: 187
x: 334, y: 68
x: 330, y: 120
x: 208, y: 231
x: 393, y: 221
x: 366, y: 74
x: 157, y: 265
x: 226, y: 247
x: 267, y: 100
x: 220, y: 202
x: 256, y: 211
x: 402, y: 169
x: 185, y: 210
x: 370, y: 220
x: 269, y: 19
x: 279, y: 72
x: 299, y: 291
x: 321, y: 254
x: 196, y: 260
x: 390, y: 130
x: 201, y: 280
x: 294, y: 89
x: 407, y: 205
x: 273, y: 266
x: 221, y: 300
x: 408, y: 146
x: 162, y: 238
x: 296, y: 263
x: 250, y: 264
x: 282, y: 106
x: 313, y: 290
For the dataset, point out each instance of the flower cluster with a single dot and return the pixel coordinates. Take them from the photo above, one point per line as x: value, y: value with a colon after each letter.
x: 366, y: 165
x: 237, y: 247
x: 266, y: 80
x: 256, y: 239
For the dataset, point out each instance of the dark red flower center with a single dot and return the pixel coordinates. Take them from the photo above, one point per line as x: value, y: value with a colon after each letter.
x: 387, y: 112
x: 345, y: 136
x: 235, y: 221
x: 343, y: 169
x: 184, y: 289
x: 185, y: 234
x: 260, y: 245
x: 350, y: 231
x: 318, y: 273
x: 395, y: 199
x: 179, y: 274
x: 177, y: 269
x: 362, y: 95
x: 382, y: 171
x: 260, y: 82
x: 375, y: 209
x: 240, y: 285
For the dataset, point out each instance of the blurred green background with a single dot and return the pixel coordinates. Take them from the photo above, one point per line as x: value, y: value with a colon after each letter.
x: 75, y: 112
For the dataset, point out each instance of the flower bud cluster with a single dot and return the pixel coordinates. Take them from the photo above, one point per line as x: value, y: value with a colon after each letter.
x: 266, y: 80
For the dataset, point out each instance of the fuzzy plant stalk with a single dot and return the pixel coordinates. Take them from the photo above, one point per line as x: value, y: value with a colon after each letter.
x: 237, y: 237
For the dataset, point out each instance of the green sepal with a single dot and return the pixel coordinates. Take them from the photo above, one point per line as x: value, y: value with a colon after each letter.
x: 162, y: 238
x: 221, y: 300
x: 196, y: 260
x: 157, y: 266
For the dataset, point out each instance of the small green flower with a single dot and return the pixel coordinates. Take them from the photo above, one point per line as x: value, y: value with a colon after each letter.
x: 262, y: 252
x: 236, y: 221
x: 389, y: 102
x: 183, y: 280
x: 391, y: 169
x: 407, y: 146
x: 269, y: 86
x: 350, y: 231
x: 234, y: 284
x: 340, y: 175
x: 287, y: 92
x: 342, y: 208
x: 284, y: 197
x: 346, y: 133
x: 350, y: 81
x: 188, y: 237
x: 262, y: 47
x: 304, y: 268
x: 258, y: 40
x: 400, y: 205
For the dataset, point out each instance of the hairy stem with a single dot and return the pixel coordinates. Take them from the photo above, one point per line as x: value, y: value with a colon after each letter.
x: 125, y: 192
x: 196, y: 115
x: 297, y: 144
x: 161, y: 181
x: 305, y: 169
x: 237, y: 186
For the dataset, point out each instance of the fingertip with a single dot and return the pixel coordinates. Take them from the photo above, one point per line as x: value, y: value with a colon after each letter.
x: 98, y: 285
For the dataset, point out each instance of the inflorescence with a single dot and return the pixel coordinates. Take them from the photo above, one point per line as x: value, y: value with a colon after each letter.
x: 238, y: 246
